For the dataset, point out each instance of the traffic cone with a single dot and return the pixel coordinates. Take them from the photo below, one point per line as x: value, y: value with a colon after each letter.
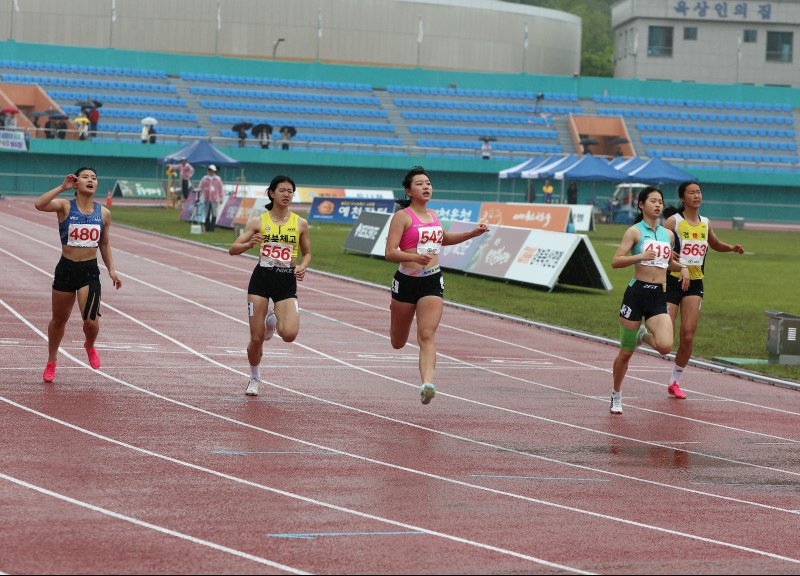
x: 108, y: 198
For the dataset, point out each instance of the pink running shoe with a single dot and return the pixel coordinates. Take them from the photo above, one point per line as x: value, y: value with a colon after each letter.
x: 49, y: 372
x: 94, y: 359
x: 675, y: 390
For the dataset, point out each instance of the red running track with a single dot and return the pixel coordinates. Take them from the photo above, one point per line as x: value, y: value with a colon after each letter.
x: 157, y: 463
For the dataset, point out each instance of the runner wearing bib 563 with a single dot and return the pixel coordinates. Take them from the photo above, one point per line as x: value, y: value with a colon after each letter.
x: 693, y: 237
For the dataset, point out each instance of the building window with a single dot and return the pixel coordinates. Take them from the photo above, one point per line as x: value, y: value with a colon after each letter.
x: 690, y: 33
x: 659, y: 41
x: 750, y: 36
x: 779, y: 46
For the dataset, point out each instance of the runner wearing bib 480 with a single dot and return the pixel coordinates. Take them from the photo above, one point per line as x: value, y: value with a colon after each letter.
x: 279, y: 235
x: 83, y: 226
x: 693, y: 238
x: 650, y: 248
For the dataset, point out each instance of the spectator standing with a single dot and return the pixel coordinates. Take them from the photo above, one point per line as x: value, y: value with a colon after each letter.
x: 242, y: 137
x: 547, y: 189
x: 186, y: 171
x: 61, y: 129
x: 94, y: 118
x: 572, y: 193
x: 486, y: 150
x: 152, y: 132
x: 211, y: 191
x: 49, y: 129
x: 145, y: 133
x: 11, y: 121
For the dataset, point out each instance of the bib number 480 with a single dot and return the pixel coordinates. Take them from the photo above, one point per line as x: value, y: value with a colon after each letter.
x: 86, y: 235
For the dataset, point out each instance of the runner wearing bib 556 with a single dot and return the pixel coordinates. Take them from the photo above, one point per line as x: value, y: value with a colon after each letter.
x: 280, y: 235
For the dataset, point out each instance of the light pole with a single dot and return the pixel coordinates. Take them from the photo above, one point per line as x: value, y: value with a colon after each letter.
x: 275, y: 46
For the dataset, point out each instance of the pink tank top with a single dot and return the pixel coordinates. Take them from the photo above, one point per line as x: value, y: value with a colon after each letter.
x: 426, y: 237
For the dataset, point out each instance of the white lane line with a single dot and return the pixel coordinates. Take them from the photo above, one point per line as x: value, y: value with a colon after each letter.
x: 372, y: 461
x: 149, y: 526
x: 447, y: 434
x: 287, y: 494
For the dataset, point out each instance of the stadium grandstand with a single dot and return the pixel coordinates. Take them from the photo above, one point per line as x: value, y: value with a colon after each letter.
x: 362, y: 125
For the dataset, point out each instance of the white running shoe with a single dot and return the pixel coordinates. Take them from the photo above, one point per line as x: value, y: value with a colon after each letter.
x: 252, y: 387
x: 427, y: 392
x: 640, y: 334
x: 272, y: 321
x: 616, y: 402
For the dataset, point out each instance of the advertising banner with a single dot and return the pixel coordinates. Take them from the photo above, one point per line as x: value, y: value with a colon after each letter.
x: 459, y: 211
x: 307, y: 195
x: 13, y: 140
x: 365, y: 235
x: 497, y: 251
x: 346, y: 210
x: 551, y: 217
x: 582, y: 217
x: 458, y: 256
x: 228, y: 212
x: 135, y: 189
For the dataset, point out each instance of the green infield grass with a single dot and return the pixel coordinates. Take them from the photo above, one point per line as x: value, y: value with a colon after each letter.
x: 738, y: 288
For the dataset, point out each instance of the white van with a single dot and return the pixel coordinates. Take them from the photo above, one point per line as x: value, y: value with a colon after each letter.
x: 624, y: 202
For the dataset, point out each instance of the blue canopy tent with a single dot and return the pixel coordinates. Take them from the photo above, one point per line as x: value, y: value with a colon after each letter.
x: 516, y: 171
x: 591, y: 168
x: 202, y: 153
x: 656, y: 171
x: 547, y: 169
x: 627, y: 164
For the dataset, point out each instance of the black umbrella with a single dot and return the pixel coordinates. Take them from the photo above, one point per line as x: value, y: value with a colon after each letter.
x: 97, y: 104
x: 58, y: 116
x: 49, y: 112
x: 620, y: 140
x: 588, y: 141
x: 85, y: 104
x: 242, y: 126
x: 291, y: 130
x: 258, y: 129
x: 488, y: 139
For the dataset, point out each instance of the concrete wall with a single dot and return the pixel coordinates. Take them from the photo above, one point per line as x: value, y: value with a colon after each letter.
x: 477, y: 35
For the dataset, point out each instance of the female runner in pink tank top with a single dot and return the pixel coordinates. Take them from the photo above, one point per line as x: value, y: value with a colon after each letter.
x: 415, y: 238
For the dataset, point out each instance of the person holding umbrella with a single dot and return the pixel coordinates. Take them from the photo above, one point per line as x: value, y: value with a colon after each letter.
x: 287, y: 133
x: 148, y: 130
x: 263, y: 132
x: 241, y: 131
x: 83, y: 125
x: 211, y: 191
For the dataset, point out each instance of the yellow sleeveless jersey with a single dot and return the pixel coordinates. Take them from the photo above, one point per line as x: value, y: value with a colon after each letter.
x: 285, y: 235
x: 693, y: 245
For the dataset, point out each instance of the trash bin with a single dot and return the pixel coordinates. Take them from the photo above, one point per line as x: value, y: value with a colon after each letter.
x: 738, y: 223
x: 783, y: 346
